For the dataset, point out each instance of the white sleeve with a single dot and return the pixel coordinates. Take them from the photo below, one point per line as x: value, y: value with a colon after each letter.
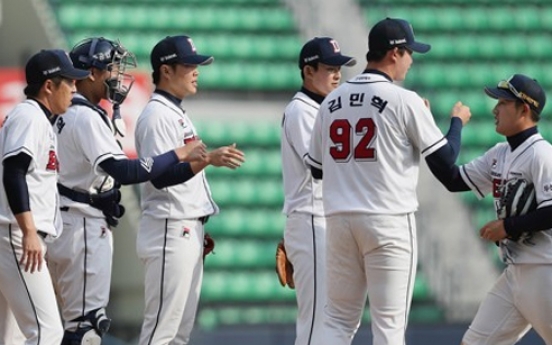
x: 100, y: 144
x: 420, y: 125
x: 298, y: 126
x: 541, y: 171
x: 477, y: 173
x: 314, y: 158
x: 23, y: 134
x: 155, y: 132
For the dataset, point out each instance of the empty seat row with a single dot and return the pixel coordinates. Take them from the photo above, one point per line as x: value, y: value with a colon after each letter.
x: 470, y: 17
x: 488, y: 47
x: 247, y: 191
x: 469, y: 75
x: 259, y: 163
x: 241, y: 253
x: 227, y: 46
x: 211, y: 317
x: 175, y: 17
x: 258, y: 134
x: 262, y: 285
x: 250, y: 223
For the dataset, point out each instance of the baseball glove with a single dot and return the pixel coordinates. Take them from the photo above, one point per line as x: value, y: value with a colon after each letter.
x: 208, y: 245
x: 517, y: 197
x: 284, y: 268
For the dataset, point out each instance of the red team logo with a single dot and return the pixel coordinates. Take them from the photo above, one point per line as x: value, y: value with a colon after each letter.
x: 53, y: 163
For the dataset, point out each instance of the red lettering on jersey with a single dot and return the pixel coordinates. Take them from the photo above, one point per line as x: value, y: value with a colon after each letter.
x: 53, y: 163
x: 496, y: 187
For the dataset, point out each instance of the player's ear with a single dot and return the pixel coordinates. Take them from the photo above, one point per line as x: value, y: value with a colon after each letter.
x: 308, y: 70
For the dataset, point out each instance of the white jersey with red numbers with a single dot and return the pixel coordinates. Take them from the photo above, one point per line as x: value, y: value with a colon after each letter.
x: 532, y: 161
x: 368, y: 140
x: 85, y: 140
x: 303, y: 194
x: 27, y: 130
x: 161, y: 127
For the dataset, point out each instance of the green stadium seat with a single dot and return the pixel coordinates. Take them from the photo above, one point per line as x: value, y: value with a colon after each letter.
x: 235, y: 254
x: 258, y: 134
x: 247, y: 192
x: 250, y: 223
x: 259, y: 163
x: 262, y: 285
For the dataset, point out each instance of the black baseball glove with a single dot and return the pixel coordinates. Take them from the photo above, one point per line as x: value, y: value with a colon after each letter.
x: 517, y: 197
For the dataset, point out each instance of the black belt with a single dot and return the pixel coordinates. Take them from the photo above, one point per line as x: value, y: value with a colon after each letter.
x: 42, y: 234
x: 203, y: 219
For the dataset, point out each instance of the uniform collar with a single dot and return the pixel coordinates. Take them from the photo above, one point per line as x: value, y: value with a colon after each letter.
x: 376, y: 71
x: 314, y: 96
x: 49, y: 115
x: 516, y: 140
x: 177, y: 101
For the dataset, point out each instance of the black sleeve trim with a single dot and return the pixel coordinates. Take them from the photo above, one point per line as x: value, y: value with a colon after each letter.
x: 15, y: 182
x: 178, y: 174
x: 535, y: 221
x: 316, y: 173
x: 442, y: 162
x: 127, y: 171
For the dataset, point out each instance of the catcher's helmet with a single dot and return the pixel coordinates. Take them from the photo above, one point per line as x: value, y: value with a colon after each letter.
x: 105, y: 54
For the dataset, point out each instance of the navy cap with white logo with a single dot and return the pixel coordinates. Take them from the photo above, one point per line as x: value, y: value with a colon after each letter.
x: 390, y: 33
x: 51, y: 63
x: 325, y: 50
x: 177, y: 49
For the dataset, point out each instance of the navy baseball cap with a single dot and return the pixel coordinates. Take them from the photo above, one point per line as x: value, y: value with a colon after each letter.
x: 177, y: 49
x: 51, y: 63
x: 390, y: 33
x: 325, y: 50
x: 520, y: 87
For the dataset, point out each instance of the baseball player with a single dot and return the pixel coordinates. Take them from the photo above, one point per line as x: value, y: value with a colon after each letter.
x: 320, y: 63
x: 29, y: 201
x: 170, y: 238
x: 521, y: 296
x: 92, y: 164
x: 366, y: 144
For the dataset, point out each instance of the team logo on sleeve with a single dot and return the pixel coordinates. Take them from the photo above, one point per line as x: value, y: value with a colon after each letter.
x: 53, y: 164
x: 547, y: 187
x: 147, y: 163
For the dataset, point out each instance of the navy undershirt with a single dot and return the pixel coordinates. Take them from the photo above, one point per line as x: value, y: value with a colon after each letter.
x: 15, y: 182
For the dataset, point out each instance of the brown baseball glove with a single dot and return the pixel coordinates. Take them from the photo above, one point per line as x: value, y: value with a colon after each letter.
x: 284, y: 268
x: 208, y: 245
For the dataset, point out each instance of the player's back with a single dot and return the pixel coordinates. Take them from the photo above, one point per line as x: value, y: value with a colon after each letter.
x: 372, y: 135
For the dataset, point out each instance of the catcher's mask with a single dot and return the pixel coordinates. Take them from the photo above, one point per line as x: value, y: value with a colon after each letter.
x: 107, y: 55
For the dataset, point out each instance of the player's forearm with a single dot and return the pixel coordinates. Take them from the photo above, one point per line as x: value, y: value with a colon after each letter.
x: 127, y: 171
x: 15, y: 182
x: 179, y: 173
x: 538, y: 220
x: 25, y: 222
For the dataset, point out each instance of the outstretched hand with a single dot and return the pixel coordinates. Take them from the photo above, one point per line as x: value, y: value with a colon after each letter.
x: 226, y: 156
x: 192, y: 152
x: 461, y: 111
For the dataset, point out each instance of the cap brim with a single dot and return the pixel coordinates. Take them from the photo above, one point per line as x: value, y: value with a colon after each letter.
x: 339, y: 60
x: 497, y: 93
x: 75, y: 74
x: 419, y: 47
x: 197, y: 60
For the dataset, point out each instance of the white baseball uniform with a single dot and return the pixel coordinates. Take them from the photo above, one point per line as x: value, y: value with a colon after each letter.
x: 81, y: 259
x: 29, y: 296
x: 170, y: 238
x: 521, y: 297
x: 305, y: 232
x: 367, y: 140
